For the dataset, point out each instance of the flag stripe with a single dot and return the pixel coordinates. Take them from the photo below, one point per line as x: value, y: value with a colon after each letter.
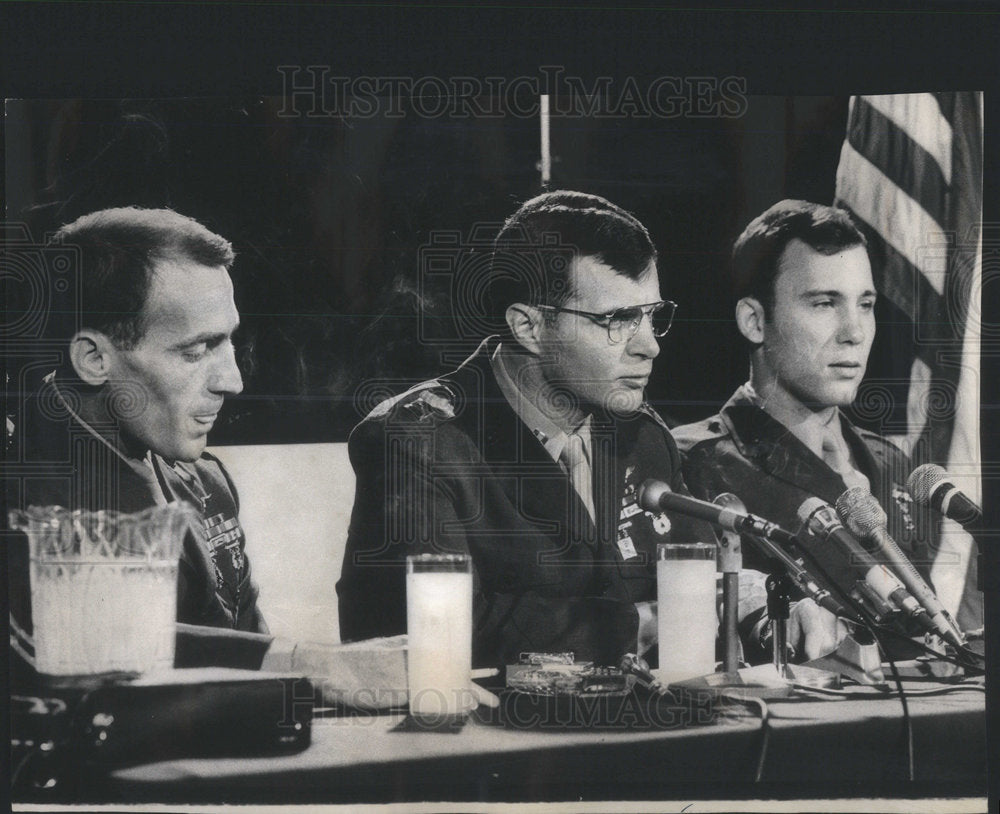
x: 911, y: 170
x: 899, y: 281
x: 963, y: 452
x: 916, y: 399
x: 967, y: 212
x: 900, y: 158
x: 920, y: 116
x: 901, y: 221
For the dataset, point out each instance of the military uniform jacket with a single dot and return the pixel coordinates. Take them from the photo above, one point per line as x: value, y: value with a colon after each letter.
x: 745, y: 451
x: 450, y: 467
x: 67, y: 465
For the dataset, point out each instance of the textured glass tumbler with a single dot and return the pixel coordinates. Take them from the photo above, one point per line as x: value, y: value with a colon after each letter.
x: 103, y: 587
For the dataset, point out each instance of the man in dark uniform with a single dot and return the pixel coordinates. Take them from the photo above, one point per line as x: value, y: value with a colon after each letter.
x: 529, y: 457
x: 123, y: 422
x: 805, y: 304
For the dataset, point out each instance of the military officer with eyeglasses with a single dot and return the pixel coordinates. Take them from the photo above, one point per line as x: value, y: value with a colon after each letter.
x: 529, y: 456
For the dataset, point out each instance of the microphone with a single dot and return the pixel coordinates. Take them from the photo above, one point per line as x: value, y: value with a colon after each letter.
x: 730, y: 554
x: 865, y: 518
x: 794, y: 567
x: 657, y: 496
x: 929, y: 485
x: 822, y: 521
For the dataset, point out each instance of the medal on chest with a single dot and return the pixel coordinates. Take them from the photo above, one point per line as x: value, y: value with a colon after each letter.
x: 632, y: 516
x: 904, y: 503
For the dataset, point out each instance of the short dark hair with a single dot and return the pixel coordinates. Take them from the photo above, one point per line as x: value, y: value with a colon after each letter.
x: 535, y: 248
x: 756, y: 253
x: 119, y: 249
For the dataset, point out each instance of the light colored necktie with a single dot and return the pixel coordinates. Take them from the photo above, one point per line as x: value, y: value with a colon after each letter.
x: 577, y: 462
x: 835, y: 456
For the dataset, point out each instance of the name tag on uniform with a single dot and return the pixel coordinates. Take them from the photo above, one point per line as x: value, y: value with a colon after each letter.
x: 630, y: 510
x: 626, y: 546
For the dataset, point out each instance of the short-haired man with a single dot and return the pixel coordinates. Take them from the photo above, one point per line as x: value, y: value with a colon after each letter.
x: 805, y: 305
x: 123, y: 422
x: 530, y: 455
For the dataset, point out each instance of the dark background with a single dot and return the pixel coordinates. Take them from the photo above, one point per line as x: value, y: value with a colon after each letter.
x: 335, y: 219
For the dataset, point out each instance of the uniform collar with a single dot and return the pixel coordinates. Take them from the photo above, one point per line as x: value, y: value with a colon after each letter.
x: 809, y: 431
x: 145, y: 466
x: 548, y: 432
x: 113, y: 442
x: 775, y: 448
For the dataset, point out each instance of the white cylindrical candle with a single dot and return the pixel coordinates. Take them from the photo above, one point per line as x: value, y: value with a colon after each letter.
x: 439, y: 634
x: 687, y: 622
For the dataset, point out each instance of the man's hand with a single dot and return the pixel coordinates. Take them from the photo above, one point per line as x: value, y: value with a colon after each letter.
x: 814, y: 630
x: 647, y: 626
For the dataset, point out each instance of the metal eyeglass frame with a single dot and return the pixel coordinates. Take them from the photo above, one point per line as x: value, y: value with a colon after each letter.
x: 608, y: 320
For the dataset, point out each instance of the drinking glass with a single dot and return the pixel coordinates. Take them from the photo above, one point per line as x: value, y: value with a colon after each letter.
x: 439, y: 633
x: 687, y: 622
x: 103, y: 587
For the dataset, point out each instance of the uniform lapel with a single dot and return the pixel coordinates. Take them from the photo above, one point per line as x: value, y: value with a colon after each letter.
x: 867, y: 462
x: 532, y: 480
x: 777, y: 451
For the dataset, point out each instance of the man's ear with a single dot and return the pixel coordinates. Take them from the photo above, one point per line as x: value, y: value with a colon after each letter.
x: 525, y: 323
x: 750, y: 319
x: 90, y: 353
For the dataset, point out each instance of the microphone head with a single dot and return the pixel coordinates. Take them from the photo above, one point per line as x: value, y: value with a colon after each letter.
x: 650, y: 493
x: 923, y: 480
x: 809, y: 508
x: 860, y: 511
x: 727, y: 500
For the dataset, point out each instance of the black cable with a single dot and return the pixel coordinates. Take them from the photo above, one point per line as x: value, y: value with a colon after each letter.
x: 853, y: 695
x: 872, y: 625
x: 765, y: 727
x: 907, y: 723
x: 958, y: 662
x: 16, y: 771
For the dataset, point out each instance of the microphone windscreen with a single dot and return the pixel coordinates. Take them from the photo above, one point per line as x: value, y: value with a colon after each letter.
x: 727, y: 500
x: 860, y: 511
x: 922, y: 481
x: 809, y: 508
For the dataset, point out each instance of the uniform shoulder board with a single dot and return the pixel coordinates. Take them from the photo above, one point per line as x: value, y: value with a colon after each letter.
x: 431, y: 401
x: 707, y: 431
x: 386, y: 406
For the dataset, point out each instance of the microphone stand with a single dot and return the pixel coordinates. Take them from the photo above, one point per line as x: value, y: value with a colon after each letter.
x: 779, y: 589
x: 856, y: 657
x: 763, y: 680
x: 730, y: 563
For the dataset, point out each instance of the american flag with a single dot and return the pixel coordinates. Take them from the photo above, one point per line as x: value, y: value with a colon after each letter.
x: 911, y: 171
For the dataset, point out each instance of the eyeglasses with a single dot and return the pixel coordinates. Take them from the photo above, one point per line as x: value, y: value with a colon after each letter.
x: 623, y: 323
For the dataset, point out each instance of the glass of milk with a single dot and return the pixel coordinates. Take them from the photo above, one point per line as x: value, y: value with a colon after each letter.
x: 103, y: 587
x: 687, y: 622
x: 439, y: 633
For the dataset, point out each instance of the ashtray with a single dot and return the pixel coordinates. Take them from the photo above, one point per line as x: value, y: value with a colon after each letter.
x: 547, y: 691
x: 576, y: 678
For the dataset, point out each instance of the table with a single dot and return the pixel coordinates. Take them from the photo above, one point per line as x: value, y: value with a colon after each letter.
x: 817, y: 747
